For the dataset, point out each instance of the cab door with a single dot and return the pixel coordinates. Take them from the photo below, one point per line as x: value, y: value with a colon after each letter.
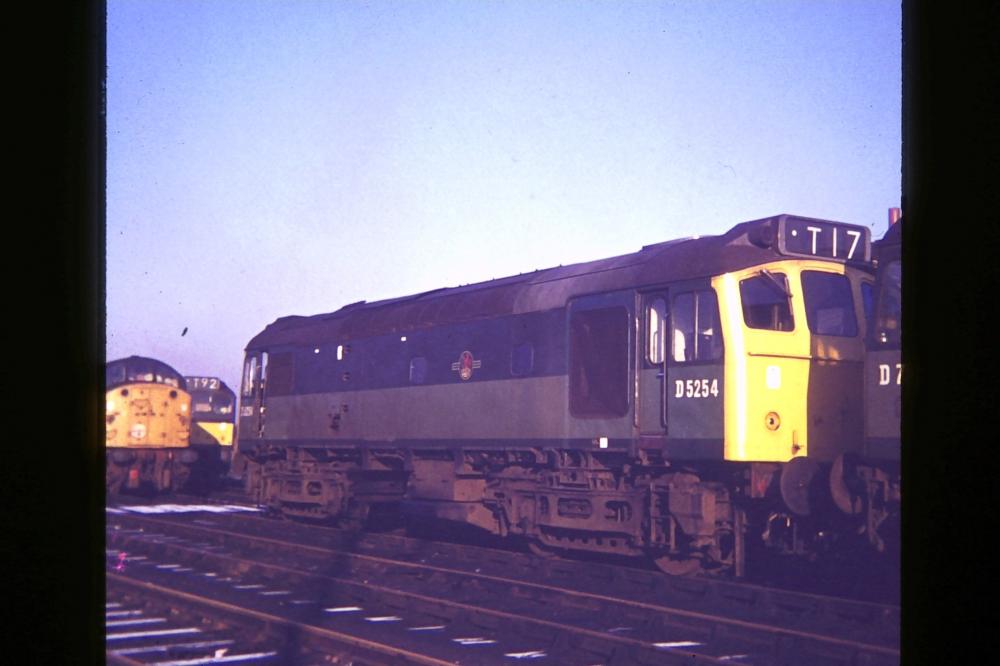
x: 768, y: 363
x: 655, y: 309
x: 694, y: 381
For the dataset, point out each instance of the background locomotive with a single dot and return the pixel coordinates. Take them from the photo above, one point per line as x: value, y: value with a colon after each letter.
x: 867, y: 487
x: 213, y: 418
x: 684, y: 402
x: 147, y: 426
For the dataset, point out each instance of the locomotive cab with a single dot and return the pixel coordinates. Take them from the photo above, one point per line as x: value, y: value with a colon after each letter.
x: 148, y: 397
x: 212, y: 409
x: 750, y: 382
x: 147, y: 431
x: 795, y: 353
x: 212, y: 428
x: 761, y: 364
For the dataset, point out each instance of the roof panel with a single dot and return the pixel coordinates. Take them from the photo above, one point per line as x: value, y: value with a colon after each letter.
x: 680, y: 259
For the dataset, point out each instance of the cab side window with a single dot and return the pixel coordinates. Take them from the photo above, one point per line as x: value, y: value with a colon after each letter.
x: 249, y: 375
x: 656, y: 331
x: 697, y: 335
x: 889, y: 315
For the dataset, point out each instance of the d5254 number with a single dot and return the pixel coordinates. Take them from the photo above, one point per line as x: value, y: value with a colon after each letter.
x: 696, y: 388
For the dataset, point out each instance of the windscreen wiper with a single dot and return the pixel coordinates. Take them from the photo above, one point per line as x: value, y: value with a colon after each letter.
x: 776, y: 283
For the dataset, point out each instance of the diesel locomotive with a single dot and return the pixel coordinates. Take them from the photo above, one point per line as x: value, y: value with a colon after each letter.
x: 868, y: 487
x: 147, y: 426
x: 213, y: 419
x: 686, y: 402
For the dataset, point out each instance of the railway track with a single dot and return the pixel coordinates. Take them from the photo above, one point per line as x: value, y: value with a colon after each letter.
x: 408, y: 599
x: 873, y: 580
x: 149, y: 623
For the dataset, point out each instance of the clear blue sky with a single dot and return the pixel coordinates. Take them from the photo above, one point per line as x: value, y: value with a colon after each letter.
x: 270, y: 158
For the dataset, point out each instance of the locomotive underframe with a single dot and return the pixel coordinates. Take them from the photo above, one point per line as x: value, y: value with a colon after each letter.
x: 685, y: 516
x: 158, y: 469
x: 868, y: 492
x: 325, y: 483
x: 610, y: 502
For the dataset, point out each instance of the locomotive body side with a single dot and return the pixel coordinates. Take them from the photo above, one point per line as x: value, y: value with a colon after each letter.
x: 147, y: 432
x: 648, y: 404
x: 884, y: 372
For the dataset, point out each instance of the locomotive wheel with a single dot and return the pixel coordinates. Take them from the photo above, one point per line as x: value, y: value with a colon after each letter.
x: 162, y: 476
x: 796, y: 479
x: 114, y: 483
x: 677, y: 567
x: 114, y: 477
x: 180, y: 478
x: 842, y: 477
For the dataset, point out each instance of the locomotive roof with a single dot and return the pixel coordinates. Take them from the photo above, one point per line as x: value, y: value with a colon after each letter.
x: 890, y: 246
x: 670, y: 261
x: 893, y: 235
x: 141, y: 369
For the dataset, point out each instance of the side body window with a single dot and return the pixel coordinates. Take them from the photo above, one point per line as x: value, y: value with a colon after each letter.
x: 599, y: 355
x: 418, y: 370
x: 522, y: 359
x: 281, y: 373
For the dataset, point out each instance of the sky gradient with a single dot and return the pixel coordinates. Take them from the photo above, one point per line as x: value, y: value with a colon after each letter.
x: 268, y: 158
